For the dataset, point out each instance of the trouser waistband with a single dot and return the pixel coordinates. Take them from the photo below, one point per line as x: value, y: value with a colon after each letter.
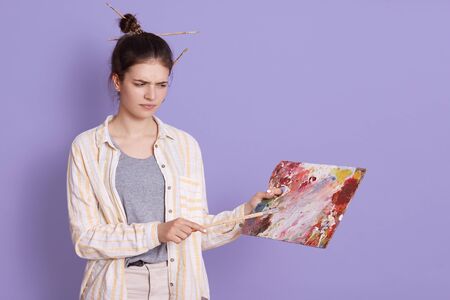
x: 140, y: 263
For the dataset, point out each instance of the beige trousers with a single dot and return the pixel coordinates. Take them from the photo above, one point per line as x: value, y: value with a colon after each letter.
x: 149, y: 282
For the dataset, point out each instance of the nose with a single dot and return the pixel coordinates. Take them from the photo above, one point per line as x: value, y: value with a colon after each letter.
x: 150, y: 93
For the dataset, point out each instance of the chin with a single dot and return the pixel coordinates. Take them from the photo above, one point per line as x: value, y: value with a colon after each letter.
x: 149, y: 112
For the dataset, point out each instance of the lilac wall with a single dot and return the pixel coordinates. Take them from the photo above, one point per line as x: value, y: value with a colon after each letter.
x: 363, y: 83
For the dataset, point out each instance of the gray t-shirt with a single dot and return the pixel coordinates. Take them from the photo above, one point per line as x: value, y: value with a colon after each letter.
x: 140, y: 184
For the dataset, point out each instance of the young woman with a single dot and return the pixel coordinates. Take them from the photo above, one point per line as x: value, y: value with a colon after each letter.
x: 136, y: 188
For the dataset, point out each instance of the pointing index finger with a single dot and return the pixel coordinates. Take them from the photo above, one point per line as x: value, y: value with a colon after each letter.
x: 196, y: 226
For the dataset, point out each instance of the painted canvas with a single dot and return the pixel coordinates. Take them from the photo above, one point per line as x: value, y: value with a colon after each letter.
x: 314, y: 200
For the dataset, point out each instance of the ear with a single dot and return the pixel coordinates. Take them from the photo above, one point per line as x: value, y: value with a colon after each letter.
x: 116, y: 81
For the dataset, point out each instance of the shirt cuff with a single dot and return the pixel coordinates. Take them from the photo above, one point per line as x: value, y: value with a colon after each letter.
x: 151, y: 234
x: 240, y: 212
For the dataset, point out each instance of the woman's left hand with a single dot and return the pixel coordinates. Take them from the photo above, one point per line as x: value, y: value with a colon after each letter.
x: 253, y: 202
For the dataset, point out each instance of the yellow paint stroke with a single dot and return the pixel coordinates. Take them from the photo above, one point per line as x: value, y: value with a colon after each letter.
x: 358, y: 174
x: 342, y: 174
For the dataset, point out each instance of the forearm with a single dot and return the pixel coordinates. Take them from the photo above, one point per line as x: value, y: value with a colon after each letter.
x: 107, y: 241
x: 222, y: 234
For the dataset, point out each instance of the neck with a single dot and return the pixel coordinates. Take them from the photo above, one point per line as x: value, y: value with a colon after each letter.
x: 125, y: 125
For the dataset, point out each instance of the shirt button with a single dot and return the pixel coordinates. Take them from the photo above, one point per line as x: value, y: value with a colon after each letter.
x: 163, y: 165
x: 156, y: 145
x: 169, y: 187
x: 170, y: 211
x: 171, y: 284
x: 172, y: 260
x: 240, y: 224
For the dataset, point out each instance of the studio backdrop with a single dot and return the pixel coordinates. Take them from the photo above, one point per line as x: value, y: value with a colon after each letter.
x: 353, y: 83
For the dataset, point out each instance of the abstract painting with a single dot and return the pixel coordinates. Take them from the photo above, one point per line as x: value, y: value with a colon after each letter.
x: 314, y: 200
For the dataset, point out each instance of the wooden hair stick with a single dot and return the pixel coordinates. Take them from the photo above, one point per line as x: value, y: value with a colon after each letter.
x: 178, y: 32
x: 116, y: 11
x: 184, y: 51
x: 254, y: 215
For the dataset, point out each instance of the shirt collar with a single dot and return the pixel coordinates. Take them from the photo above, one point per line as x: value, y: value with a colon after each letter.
x: 102, y: 133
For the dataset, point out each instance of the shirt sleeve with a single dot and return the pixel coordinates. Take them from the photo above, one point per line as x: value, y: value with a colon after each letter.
x: 220, y: 234
x: 91, y: 238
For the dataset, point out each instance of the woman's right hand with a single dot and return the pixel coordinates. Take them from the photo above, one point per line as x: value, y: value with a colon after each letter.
x: 177, y: 230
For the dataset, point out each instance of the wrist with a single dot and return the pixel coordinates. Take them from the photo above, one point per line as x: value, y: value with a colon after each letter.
x: 248, y: 208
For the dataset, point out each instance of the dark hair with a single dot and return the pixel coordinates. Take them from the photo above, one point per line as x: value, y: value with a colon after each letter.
x: 137, y: 46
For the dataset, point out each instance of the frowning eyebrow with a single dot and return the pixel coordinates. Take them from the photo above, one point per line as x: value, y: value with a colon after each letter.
x: 140, y: 80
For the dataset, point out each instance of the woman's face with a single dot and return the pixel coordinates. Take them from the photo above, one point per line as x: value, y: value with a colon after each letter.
x: 143, y: 84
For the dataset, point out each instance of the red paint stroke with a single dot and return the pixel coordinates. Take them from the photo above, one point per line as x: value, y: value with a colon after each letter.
x: 342, y: 197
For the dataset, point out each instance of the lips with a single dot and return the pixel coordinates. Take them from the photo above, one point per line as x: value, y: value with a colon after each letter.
x: 148, y: 106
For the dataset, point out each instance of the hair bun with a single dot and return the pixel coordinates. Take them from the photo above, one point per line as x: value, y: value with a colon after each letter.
x: 129, y: 24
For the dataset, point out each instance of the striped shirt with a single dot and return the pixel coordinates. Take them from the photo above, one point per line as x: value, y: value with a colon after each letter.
x: 98, y: 223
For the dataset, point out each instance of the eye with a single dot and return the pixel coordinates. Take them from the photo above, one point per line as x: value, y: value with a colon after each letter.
x: 139, y: 84
x: 163, y: 85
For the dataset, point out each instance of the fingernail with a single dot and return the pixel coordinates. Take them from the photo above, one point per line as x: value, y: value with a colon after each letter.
x: 268, y: 190
x: 204, y: 230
